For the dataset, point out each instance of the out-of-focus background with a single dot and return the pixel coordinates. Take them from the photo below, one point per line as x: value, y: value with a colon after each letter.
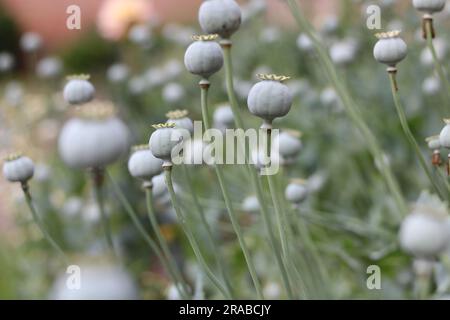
x: 133, y: 50
x: 44, y: 16
x: 103, y: 24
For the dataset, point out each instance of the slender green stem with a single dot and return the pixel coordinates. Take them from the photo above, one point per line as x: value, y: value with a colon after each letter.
x: 280, y: 214
x: 423, y: 286
x: 281, y: 221
x: 312, y: 259
x: 438, y: 65
x: 179, y: 283
x: 409, y: 135
x: 444, y: 178
x: 272, y: 240
x: 104, y: 218
x: 351, y: 108
x: 283, y: 228
x: 227, y: 199
x: 281, y: 218
x: 226, y: 46
x: 256, y: 183
x: 40, y: 224
x: 291, y: 220
x: 237, y: 229
x: 97, y: 178
x: 221, y: 265
x: 190, y: 236
x: 162, y: 242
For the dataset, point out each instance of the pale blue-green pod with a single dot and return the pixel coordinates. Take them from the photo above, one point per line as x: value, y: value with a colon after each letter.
x: 429, y: 6
x: 296, y: 192
x: 390, y: 49
x: 424, y: 234
x: 143, y: 164
x: 433, y: 142
x: 180, y: 120
x: 78, y: 90
x: 94, y: 138
x: 223, y: 117
x: 290, y: 145
x: 270, y: 98
x: 444, y: 136
x: 222, y: 17
x: 204, y: 57
x: 18, y: 168
x: 163, y: 141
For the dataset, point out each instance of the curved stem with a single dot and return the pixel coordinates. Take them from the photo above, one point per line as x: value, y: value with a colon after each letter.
x: 282, y: 228
x: 281, y: 218
x: 280, y: 213
x: 273, y: 243
x: 231, y: 213
x: 351, y: 109
x: 190, y: 236
x: 281, y: 221
x: 162, y: 242
x: 40, y: 224
x: 308, y: 248
x: 97, y: 178
x: 422, y: 286
x: 256, y: 183
x: 238, y: 231
x: 228, y: 61
x: 437, y: 63
x: 134, y: 217
x: 409, y: 135
x: 212, y: 240
x: 312, y: 258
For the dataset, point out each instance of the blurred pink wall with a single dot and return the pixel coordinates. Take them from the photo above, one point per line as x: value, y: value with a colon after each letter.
x: 48, y: 17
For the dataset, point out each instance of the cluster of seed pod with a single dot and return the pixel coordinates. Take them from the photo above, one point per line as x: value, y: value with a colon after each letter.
x: 424, y: 232
x: 429, y: 7
x: 86, y: 141
x: 78, y: 90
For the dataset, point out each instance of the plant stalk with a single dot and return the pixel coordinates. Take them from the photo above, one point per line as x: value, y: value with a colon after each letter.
x: 233, y: 217
x: 190, y: 236
x: 351, y: 109
x: 256, y: 183
x: 280, y: 214
x: 182, y: 287
x: 40, y: 224
x: 409, y: 135
x: 97, y: 179
x: 162, y: 241
x: 212, y: 240
x: 438, y: 65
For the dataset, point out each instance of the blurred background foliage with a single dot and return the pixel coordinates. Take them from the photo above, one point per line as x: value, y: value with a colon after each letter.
x: 351, y: 217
